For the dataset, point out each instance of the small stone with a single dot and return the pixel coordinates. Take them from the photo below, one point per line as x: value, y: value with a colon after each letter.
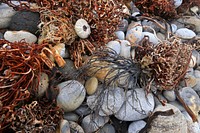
x: 194, y: 20
x: 185, y: 33
x: 161, y: 36
x: 120, y: 35
x: 177, y: 3
x: 70, y: 116
x: 75, y: 128
x: 169, y: 95
x: 175, y: 123
x: 178, y: 105
x: 25, y: 20
x: 174, y: 28
x: 91, y: 85
x: 197, y: 86
x: 68, y: 68
x: 64, y: 126
x: 125, y: 48
x: 197, y: 56
x: 134, y: 35
x: 197, y: 73
x: 137, y: 105
x: 190, y: 80
x: 150, y: 24
x: 83, y: 110
x: 16, y: 36
x: 115, y: 45
x: 136, y: 126
x: 6, y: 14
x: 193, y: 61
x: 152, y: 37
x: 93, y: 122
x: 107, y: 128
x: 43, y: 84
x: 191, y: 99
x: 123, y: 25
x: 71, y: 95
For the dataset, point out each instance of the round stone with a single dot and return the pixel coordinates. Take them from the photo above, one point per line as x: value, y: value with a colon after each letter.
x: 70, y: 116
x: 71, y: 95
x: 115, y: 45
x: 137, y: 105
x: 185, y: 33
x: 125, y: 48
x: 136, y: 126
x: 134, y: 35
x: 93, y: 122
x: 169, y: 95
x: 25, y: 20
x: 16, y: 36
x: 177, y: 3
x: 107, y: 128
x: 64, y: 127
x: 91, y: 85
x: 120, y: 35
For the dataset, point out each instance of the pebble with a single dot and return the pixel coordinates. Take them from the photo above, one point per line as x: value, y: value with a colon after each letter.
x: 68, y: 68
x: 191, y: 20
x: 185, y: 33
x: 174, y: 28
x: 1, y: 35
x: 150, y: 24
x: 16, y: 36
x: 43, y: 84
x: 178, y: 105
x: 161, y: 36
x: 75, y: 128
x: 193, y: 127
x: 152, y: 37
x: 169, y: 95
x: 134, y: 35
x: 115, y: 45
x: 136, y: 126
x: 70, y: 116
x: 25, y: 20
x: 175, y: 123
x: 157, y: 102
x: 190, y: 80
x: 64, y: 126
x: 177, y: 3
x: 191, y: 98
x: 120, y: 35
x: 83, y: 110
x: 93, y: 122
x: 197, y: 56
x: 71, y: 95
x: 197, y: 86
x: 197, y: 73
x: 125, y: 48
x: 107, y: 128
x: 193, y: 61
x: 137, y: 106
x: 91, y: 85
x: 123, y: 25
x: 6, y: 14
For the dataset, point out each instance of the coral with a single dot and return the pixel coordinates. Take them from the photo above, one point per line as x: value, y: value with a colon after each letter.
x: 162, y: 8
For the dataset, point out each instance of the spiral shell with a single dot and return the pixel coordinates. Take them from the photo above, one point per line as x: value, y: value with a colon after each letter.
x: 82, y: 28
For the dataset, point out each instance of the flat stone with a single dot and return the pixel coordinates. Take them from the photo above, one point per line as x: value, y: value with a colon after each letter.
x: 92, y: 122
x: 125, y: 48
x: 136, y: 126
x: 70, y: 116
x: 6, y: 14
x: 91, y: 85
x: 120, y: 35
x: 71, y: 95
x: 115, y: 45
x: 175, y: 123
x: 107, y: 128
x: 185, y: 33
x: 25, y: 20
x: 137, y: 106
x: 191, y: 98
x: 16, y: 36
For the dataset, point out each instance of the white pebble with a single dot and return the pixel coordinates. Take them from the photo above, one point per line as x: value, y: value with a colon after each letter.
x: 152, y: 37
x: 125, y: 48
x: 120, y: 35
x: 115, y: 45
x: 185, y: 33
x: 177, y: 3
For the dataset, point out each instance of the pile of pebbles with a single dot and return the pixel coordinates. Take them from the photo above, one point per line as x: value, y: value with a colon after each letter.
x: 119, y: 111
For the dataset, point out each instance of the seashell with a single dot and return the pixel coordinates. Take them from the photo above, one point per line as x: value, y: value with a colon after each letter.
x: 82, y: 28
x: 193, y: 61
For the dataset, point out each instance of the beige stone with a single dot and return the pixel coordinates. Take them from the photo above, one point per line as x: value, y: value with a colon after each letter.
x: 91, y: 85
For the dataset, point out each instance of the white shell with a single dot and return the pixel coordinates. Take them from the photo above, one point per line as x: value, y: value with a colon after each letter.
x: 82, y: 28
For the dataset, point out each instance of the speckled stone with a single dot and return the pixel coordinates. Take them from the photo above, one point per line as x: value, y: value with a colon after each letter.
x: 25, y: 20
x: 175, y: 123
x: 75, y: 128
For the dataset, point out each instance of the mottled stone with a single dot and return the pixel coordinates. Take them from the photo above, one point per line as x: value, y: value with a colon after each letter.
x: 175, y: 123
x: 92, y: 122
x: 71, y: 95
x: 137, y: 106
x: 136, y: 126
x: 91, y: 85
x: 75, y: 128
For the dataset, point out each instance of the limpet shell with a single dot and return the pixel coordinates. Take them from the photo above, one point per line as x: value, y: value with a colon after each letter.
x: 82, y: 28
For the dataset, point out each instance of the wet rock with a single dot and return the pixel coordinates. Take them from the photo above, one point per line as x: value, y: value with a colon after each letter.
x: 152, y: 37
x: 75, y: 128
x: 6, y: 14
x: 71, y: 95
x: 16, y: 36
x: 185, y: 33
x: 120, y: 35
x: 115, y: 45
x: 175, y: 123
x: 107, y: 128
x: 191, y: 98
x: 91, y: 85
x: 92, y: 122
x: 25, y: 20
x: 137, y: 106
x: 125, y: 48
x: 136, y: 126
x: 70, y: 116
x: 169, y: 95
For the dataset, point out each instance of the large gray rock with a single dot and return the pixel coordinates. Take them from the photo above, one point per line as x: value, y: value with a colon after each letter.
x: 175, y: 123
x: 136, y: 126
x: 137, y: 105
x: 71, y: 95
